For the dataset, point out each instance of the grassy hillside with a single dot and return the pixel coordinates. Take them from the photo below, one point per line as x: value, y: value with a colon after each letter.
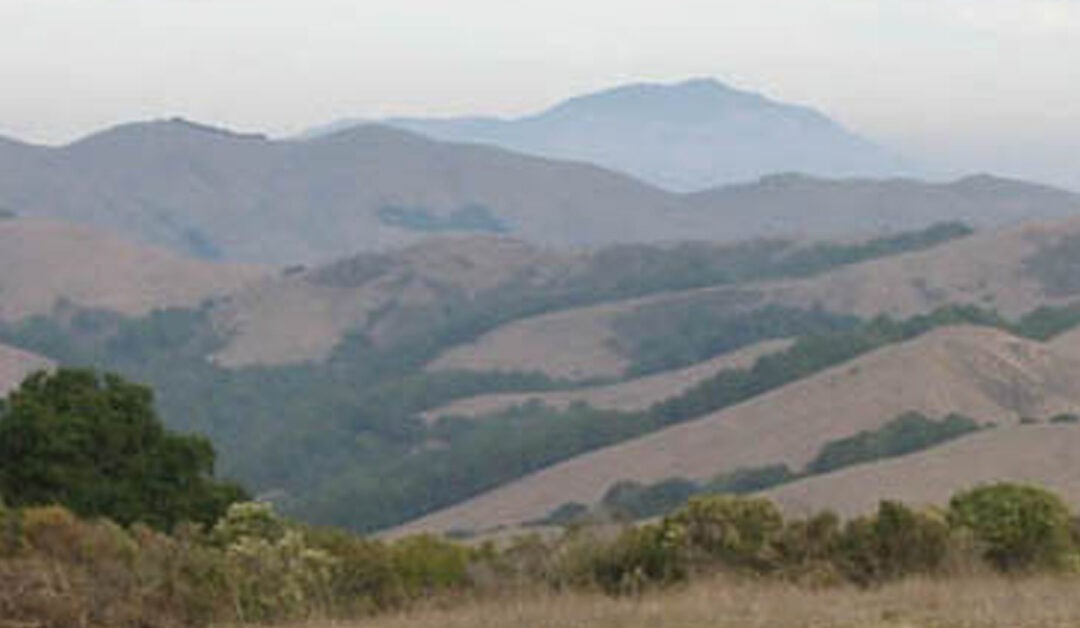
x: 633, y: 394
x: 447, y: 293
x: 994, y: 269
x: 975, y: 371
x: 46, y: 264
x: 1040, y: 454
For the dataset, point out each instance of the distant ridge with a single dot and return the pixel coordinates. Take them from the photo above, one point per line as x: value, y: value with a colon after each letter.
x: 684, y: 136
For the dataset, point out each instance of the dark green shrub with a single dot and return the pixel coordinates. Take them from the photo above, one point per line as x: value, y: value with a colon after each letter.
x: 894, y: 542
x: 427, y: 564
x: 729, y: 531
x: 363, y: 575
x: 807, y: 547
x: 639, y: 501
x: 639, y: 557
x: 1019, y: 528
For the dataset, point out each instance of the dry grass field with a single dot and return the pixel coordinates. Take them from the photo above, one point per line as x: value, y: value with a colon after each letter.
x: 974, y: 602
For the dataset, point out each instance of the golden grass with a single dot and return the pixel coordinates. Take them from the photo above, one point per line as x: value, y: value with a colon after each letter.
x: 981, y: 602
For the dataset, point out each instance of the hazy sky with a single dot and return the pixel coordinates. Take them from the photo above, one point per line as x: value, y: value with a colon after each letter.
x: 966, y: 84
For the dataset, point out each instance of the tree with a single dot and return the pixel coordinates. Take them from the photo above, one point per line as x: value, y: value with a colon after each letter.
x: 1020, y: 527
x: 94, y: 444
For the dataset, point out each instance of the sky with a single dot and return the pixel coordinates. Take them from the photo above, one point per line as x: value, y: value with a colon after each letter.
x: 960, y: 85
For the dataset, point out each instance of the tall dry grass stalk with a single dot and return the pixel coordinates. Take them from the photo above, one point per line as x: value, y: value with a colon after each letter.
x: 974, y: 602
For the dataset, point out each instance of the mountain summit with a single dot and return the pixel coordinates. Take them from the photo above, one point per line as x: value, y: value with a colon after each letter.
x: 684, y: 136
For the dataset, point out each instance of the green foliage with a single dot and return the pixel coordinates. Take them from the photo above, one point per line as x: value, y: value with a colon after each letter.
x: 905, y: 434
x: 1065, y: 418
x: 95, y: 445
x: 678, y: 333
x: 1046, y: 322
x: 750, y: 480
x: 811, y: 260
x: 633, y: 500
x: 737, y: 531
x: 427, y: 564
x: 255, y: 567
x: 1019, y: 527
x: 895, y: 542
x: 272, y: 571
x: 639, y: 557
x: 567, y: 514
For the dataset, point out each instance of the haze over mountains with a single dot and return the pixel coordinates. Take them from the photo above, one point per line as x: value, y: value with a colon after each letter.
x: 367, y: 321
x: 683, y: 137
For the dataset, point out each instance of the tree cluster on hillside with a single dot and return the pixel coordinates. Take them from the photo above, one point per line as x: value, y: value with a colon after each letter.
x: 361, y: 456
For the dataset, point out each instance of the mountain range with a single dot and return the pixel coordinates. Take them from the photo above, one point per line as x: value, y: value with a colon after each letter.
x: 378, y: 327
x: 215, y: 194
x: 683, y: 137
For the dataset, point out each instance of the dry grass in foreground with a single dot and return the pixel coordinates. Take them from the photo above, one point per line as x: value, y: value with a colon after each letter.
x: 918, y: 603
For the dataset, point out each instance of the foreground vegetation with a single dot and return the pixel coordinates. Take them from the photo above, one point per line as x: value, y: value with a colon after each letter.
x: 254, y: 567
x: 157, y: 541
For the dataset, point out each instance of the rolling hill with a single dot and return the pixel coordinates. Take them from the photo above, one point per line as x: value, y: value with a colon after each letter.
x: 1043, y: 455
x: 634, y: 394
x: 979, y: 372
x: 216, y: 194
x: 685, y: 136
x: 45, y: 263
x: 1012, y: 270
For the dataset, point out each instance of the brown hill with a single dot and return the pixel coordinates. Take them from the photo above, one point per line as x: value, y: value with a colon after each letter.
x: 15, y: 365
x: 43, y: 263
x: 1043, y: 455
x: 217, y: 194
x: 980, y: 372
x: 302, y: 316
x: 205, y: 191
x: 1012, y: 270
x: 635, y: 394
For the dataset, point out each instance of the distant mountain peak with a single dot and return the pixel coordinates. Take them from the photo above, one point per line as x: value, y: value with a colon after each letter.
x: 684, y: 136
x: 700, y: 98
x: 164, y: 127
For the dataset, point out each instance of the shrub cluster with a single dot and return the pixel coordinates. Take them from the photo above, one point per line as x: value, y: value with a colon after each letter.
x: 1007, y: 527
x: 252, y: 566
x: 57, y: 570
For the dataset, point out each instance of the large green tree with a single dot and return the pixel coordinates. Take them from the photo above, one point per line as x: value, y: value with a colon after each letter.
x: 94, y: 444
